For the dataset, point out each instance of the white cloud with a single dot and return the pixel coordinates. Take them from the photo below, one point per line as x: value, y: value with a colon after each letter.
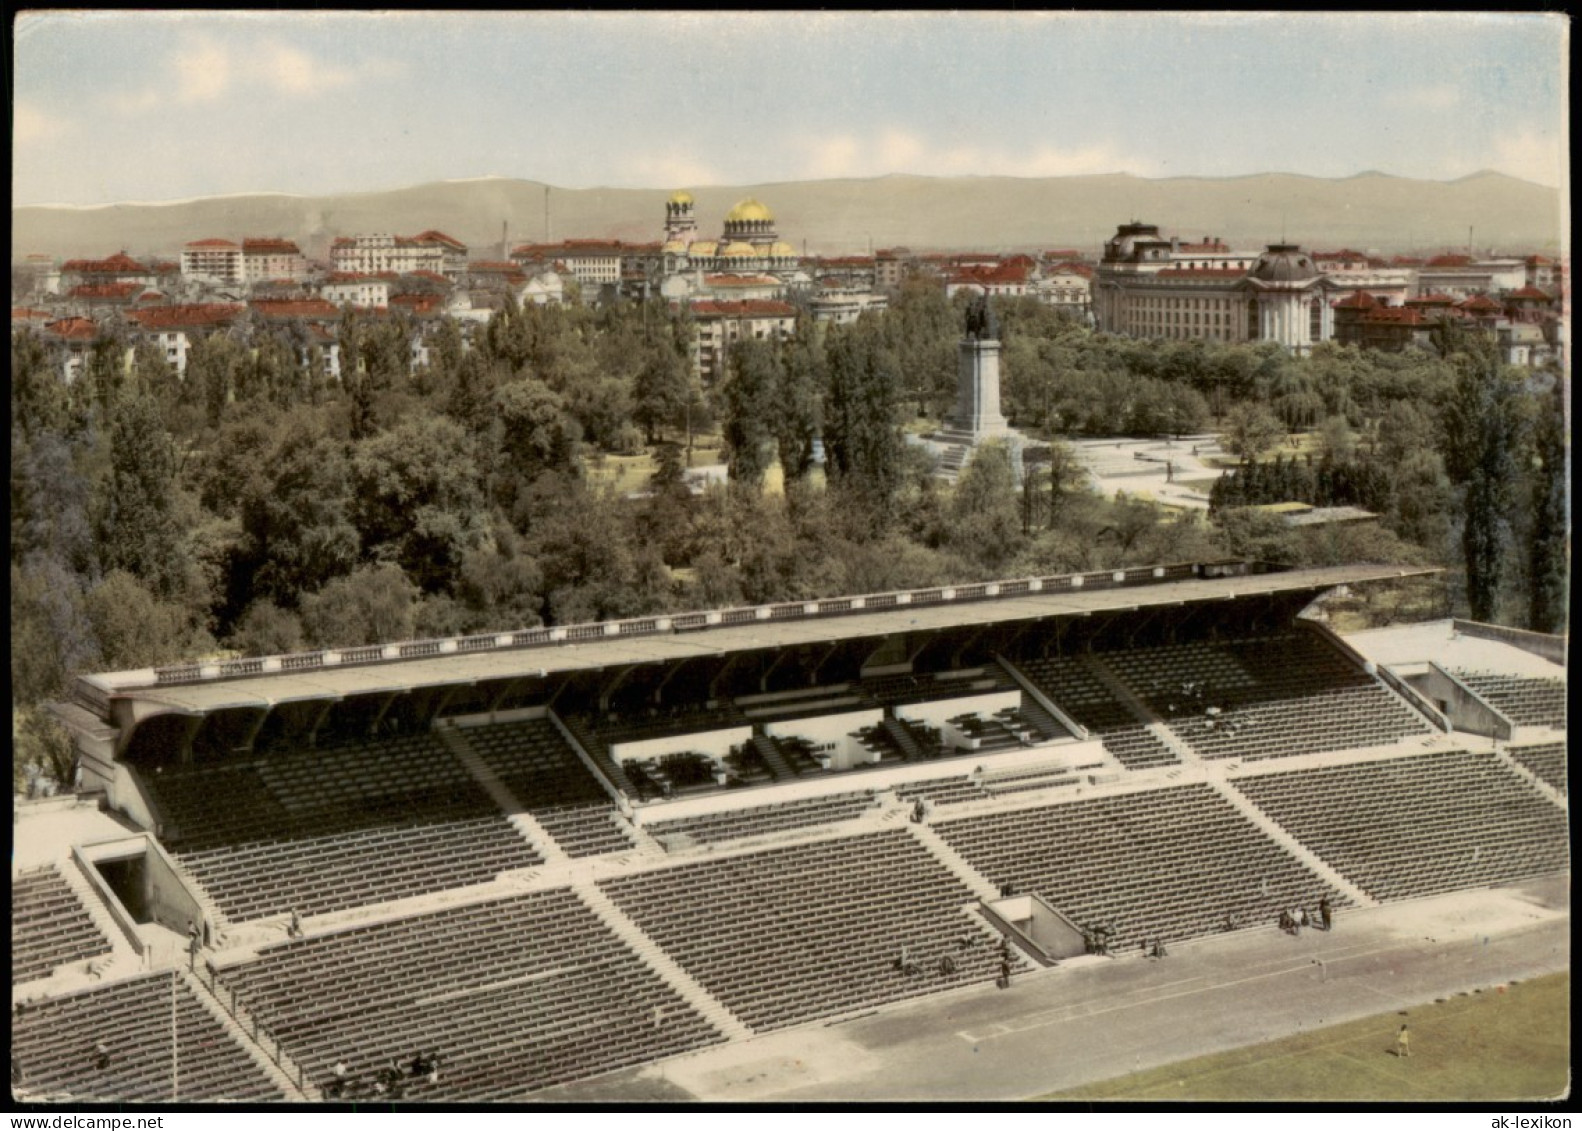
x: 666, y: 170
x: 205, y: 69
x: 897, y: 151
x: 1532, y: 155
x: 31, y: 124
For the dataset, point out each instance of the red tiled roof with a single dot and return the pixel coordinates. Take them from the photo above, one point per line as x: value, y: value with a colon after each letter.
x: 1010, y: 272
x: 1070, y: 268
x: 1343, y: 253
x: 740, y: 281
x: 1533, y: 293
x: 118, y: 264
x: 74, y: 329
x: 1399, y: 314
x: 431, y: 276
x: 269, y: 247
x: 581, y: 247
x: 294, y: 308
x: 432, y: 236
x: 192, y: 315
x: 214, y: 243
x: 418, y: 304
x: 1539, y: 261
x: 1063, y: 253
x: 26, y: 314
x: 1405, y: 261
x: 1362, y: 300
x: 103, y: 290
x: 1480, y: 302
x: 151, y: 298
x: 746, y: 308
x: 360, y: 277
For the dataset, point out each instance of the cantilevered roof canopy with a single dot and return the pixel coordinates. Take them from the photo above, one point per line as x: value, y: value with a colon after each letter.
x: 212, y: 692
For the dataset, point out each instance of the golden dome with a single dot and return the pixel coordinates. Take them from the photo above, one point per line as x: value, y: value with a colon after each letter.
x: 782, y: 250
x: 702, y: 248
x: 673, y: 247
x: 749, y: 209
x: 681, y: 196
x: 738, y: 250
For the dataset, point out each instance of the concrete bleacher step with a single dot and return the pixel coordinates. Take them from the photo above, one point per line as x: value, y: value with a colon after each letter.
x: 1033, y: 697
x: 1306, y: 855
x: 606, y: 770
x: 1155, y: 726
x: 953, y: 861
x: 220, y: 922
x: 517, y: 816
x: 771, y: 756
x: 626, y: 929
x: 123, y: 958
x: 1503, y: 754
x: 284, y: 1074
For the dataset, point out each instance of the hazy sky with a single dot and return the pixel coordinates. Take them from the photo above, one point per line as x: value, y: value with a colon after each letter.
x: 139, y: 106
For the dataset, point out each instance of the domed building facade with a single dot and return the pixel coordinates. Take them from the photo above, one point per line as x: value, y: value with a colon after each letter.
x: 1151, y: 286
x: 748, y: 245
x: 1287, y: 300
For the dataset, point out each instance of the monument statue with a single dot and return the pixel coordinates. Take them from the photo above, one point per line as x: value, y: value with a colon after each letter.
x: 982, y: 324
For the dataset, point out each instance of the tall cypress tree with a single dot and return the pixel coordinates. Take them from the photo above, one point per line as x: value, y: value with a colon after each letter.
x: 1550, y: 552
x: 1482, y: 430
x: 750, y: 385
x: 861, y: 433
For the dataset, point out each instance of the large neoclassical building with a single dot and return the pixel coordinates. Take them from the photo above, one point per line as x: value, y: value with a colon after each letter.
x: 1148, y: 286
x: 748, y: 245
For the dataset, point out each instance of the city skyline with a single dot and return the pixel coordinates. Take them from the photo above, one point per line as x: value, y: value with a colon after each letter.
x: 701, y: 99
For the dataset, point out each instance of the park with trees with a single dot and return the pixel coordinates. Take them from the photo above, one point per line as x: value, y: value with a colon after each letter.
x: 258, y: 505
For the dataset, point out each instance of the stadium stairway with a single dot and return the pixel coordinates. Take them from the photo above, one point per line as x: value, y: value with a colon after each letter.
x: 903, y: 738
x: 1041, y: 701
x: 953, y: 861
x: 516, y: 814
x: 1320, y: 867
x: 123, y: 960
x: 772, y: 757
x: 692, y: 991
x: 283, y: 1074
x: 1117, y: 686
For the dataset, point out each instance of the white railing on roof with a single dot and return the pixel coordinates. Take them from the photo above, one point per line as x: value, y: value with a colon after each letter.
x: 689, y: 622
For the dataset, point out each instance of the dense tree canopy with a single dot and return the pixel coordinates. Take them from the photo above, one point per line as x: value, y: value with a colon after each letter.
x: 537, y: 475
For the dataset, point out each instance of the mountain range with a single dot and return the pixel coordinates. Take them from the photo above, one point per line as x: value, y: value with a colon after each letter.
x: 1368, y: 211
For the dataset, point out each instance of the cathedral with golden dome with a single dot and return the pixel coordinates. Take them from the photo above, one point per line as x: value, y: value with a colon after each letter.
x: 749, y: 244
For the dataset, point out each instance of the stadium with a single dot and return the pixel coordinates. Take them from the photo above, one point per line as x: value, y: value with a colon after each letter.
x: 648, y: 858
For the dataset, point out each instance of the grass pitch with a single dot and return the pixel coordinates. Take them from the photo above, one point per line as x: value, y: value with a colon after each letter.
x: 1504, y: 1043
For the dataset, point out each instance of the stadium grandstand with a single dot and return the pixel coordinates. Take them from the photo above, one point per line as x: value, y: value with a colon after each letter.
x: 494, y: 867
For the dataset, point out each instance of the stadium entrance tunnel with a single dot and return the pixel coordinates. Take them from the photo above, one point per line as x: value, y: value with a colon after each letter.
x: 139, y: 885
x: 127, y: 877
x: 1044, y: 933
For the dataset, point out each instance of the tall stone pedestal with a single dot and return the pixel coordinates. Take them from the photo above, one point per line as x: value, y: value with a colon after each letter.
x: 977, y: 415
x: 977, y: 411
